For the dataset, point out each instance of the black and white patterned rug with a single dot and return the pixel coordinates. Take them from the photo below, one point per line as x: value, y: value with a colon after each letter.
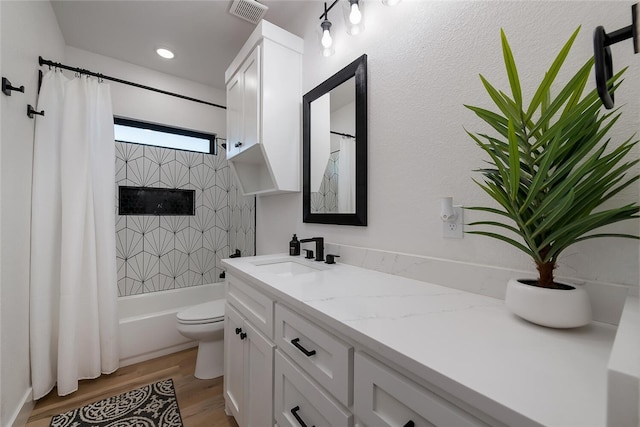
x: 153, y: 405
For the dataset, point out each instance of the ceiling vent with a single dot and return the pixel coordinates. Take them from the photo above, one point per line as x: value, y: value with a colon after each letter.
x: 249, y: 10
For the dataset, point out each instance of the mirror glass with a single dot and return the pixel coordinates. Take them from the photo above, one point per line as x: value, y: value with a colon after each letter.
x: 335, y: 148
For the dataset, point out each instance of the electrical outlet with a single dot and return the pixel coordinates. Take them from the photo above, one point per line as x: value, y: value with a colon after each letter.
x: 454, y: 229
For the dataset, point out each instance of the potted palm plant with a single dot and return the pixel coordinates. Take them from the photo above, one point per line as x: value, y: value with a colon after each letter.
x: 553, y: 174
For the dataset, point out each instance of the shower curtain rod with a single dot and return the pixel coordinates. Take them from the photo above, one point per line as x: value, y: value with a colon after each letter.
x: 342, y: 134
x: 43, y: 61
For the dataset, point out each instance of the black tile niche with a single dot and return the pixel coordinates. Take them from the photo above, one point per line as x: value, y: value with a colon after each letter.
x: 156, y: 201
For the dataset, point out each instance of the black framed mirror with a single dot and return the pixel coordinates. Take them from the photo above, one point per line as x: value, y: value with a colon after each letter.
x: 334, y: 148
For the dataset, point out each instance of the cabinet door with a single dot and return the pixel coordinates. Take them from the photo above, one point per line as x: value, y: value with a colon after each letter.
x: 299, y: 401
x: 233, y: 364
x: 258, y: 410
x: 251, y: 88
x: 234, y: 115
x: 384, y: 398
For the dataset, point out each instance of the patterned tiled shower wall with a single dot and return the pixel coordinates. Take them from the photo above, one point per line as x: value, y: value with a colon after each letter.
x: 325, y: 200
x: 157, y: 253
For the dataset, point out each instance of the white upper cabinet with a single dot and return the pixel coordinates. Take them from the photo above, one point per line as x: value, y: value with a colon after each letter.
x: 243, y: 106
x: 264, y: 98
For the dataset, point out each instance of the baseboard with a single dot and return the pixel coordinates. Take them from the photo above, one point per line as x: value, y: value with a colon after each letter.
x: 158, y: 353
x: 22, y: 414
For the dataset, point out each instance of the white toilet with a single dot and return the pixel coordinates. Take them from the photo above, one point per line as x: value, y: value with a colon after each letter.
x: 205, y: 323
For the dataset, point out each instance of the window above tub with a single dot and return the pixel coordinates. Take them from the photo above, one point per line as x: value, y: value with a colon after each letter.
x: 138, y: 132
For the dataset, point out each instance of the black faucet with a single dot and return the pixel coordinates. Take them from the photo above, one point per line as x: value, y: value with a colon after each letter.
x: 319, y: 246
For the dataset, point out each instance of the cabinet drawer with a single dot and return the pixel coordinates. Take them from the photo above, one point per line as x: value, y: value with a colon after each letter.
x: 385, y: 398
x: 323, y: 356
x: 296, y: 395
x: 252, y: 304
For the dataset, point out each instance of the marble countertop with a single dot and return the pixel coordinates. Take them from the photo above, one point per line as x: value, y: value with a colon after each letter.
x: 466, y: 344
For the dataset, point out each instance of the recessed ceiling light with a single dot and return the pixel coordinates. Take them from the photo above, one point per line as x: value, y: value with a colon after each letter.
x: 165, y: 53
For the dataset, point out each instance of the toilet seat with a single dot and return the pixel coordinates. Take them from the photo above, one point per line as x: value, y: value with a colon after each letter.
x: 208, y: 312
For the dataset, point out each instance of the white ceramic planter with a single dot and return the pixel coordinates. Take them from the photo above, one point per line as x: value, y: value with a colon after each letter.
x: 555, y: 308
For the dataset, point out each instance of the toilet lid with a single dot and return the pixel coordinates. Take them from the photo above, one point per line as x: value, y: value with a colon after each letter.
x: 207, y: 312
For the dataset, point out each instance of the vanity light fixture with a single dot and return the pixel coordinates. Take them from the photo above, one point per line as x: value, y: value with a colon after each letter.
x: 165, y: 53
x: 353, y: 16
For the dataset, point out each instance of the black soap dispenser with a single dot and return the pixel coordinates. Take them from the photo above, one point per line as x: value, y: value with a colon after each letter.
x: 294, y: 246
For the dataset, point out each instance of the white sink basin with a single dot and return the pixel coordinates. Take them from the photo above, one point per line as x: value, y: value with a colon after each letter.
x: 286, y: 267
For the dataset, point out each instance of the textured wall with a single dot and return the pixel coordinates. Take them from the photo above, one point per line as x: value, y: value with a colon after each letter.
x: 28, y: 29
x: 424, y: 58
x: 157, y: 253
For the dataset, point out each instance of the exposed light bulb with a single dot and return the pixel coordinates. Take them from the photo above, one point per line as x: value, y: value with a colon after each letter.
x: 165, y: 53
x: 355, y: 16
x: 326, y: 39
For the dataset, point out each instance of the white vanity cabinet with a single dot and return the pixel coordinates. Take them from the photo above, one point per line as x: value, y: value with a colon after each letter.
x: 264, y: 98
x: 360, y: 348
x: 283, y: 368
x: 248, y: 356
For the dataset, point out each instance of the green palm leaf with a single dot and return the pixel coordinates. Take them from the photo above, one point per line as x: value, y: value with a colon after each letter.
x: 550, y: 168
x: 512, y: 72
x: 551, y: 74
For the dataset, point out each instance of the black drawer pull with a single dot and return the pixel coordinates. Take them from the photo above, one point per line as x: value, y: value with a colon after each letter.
x: 294, y: 412
x: 297, y: 345
x: 238, y: 330
x: 237, y: 144
x: 409, y: 424
x: 243, y: 335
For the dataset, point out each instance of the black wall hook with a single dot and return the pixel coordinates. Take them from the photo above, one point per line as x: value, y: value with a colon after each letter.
x: 7, y: 88
x: 31, y: 111
x: 602, y: 54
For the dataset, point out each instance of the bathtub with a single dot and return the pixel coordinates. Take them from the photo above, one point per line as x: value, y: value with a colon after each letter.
x: 148, y: 321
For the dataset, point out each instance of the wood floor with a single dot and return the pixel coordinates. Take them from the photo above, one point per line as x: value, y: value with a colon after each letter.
x: 200, y: 401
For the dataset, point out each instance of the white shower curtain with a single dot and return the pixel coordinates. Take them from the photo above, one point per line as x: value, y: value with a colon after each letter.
x: 73, y: 313
x: 347, y: 175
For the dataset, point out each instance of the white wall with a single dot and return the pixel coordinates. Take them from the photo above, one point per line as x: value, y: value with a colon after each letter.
x: 29, y: 29
x: 423, y: 64
x: 140, y: 104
